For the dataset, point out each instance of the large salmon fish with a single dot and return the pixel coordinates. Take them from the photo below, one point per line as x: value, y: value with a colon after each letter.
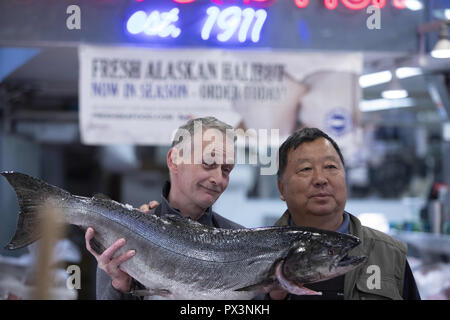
x: 182, y: 259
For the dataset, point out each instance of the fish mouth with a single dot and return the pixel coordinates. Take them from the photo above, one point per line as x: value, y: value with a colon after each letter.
x: 346, y: 260
x: 351, y: 261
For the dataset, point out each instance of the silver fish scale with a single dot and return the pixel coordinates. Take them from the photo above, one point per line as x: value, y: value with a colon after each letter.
x: 186, y: 237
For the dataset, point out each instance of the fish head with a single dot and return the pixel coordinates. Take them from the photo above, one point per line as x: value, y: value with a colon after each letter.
x: 318, y: 255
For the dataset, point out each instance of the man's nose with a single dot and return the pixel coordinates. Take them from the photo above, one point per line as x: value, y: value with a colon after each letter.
x: 216, y: 176
x: 319, y: 178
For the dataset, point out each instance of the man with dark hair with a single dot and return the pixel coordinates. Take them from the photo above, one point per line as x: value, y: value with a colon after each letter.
x: 311, y: 180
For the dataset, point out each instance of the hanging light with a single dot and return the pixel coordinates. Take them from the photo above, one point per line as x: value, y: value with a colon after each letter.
x: 414, y: 5
x: 442, y: 48
x: 395, y: 90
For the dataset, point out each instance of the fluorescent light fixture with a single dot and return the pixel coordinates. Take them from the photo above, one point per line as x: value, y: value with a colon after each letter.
x: 414, y: 5
x: 407, y: 72
x: 373, y: 79
x: 442, y: 48
x: 447, y: 14
x: 395, y: 89
x: 384, y: 104
x: 394, y: 94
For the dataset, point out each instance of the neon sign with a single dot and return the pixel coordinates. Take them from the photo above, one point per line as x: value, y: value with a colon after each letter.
x: 229, y: 21
x: 354, y: 4
x: 183, y: 1
x: 232, y: 20
x: 225, y: 23
x: 329, y: 4
x: 155, y: 24
x: 264, y: 3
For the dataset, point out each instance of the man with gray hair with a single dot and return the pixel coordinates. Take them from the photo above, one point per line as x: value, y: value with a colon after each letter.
x: 200, y: 162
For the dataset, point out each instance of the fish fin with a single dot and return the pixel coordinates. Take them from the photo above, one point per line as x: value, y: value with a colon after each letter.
x: 31, y: 194
x: 181, y: 219
x: 101, y: 196
x: 291, y: 286
x: 303, y: 291
x: 175, y: 217
x: 151, y: 292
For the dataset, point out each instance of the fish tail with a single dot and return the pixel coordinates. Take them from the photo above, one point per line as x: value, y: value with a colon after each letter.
x: 31, y: 194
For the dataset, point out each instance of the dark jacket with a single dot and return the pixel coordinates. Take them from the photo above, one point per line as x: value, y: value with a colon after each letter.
x: 382, y: 251
x: 104, y: 289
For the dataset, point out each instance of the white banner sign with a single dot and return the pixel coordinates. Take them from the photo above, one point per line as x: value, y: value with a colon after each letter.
x: 140, y: 96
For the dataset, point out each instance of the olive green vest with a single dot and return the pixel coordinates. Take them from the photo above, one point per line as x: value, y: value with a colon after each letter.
x: 381, y: 276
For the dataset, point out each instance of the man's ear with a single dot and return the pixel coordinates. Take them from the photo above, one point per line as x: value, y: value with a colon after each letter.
x: 172, y: 159
x: 280, y: 188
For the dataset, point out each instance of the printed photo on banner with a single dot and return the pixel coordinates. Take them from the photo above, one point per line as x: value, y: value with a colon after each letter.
x: 140, y: 96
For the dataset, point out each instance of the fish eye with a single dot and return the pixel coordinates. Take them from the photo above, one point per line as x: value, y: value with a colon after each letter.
x: 331, y: 252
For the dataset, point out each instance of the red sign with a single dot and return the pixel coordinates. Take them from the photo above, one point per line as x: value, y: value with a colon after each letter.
x: 358, y: 4
x: 329, y: 4
x: 264, y: 3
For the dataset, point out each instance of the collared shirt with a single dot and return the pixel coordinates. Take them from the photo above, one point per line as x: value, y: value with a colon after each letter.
x: 344, y: 228
x: 209, y: 217
x: 165, y: 208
